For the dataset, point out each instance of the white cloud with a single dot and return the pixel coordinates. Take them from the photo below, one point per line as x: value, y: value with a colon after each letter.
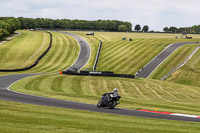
x: 155, y: 13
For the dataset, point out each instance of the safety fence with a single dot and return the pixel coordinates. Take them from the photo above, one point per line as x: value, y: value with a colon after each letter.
x: 100, y: 73
x: 97, y: 57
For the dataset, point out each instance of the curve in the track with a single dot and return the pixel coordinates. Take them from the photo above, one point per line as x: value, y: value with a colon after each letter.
x: 84, y: 54
x: 154, y: 63
x: 7, y: 95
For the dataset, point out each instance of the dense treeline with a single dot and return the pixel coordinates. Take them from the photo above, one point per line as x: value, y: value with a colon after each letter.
x: 194, y: 29
x: 108, y: 25
x: 8, y: 26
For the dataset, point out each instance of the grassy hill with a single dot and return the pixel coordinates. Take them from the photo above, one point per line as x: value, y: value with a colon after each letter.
x: 188, y: 74
x: 130, y: 56
x: 20, y: 118
x: 63, y: 54
x: 136, y: 93
x: 23, y: 50
x: 118, y: 56
x: 174, y: 60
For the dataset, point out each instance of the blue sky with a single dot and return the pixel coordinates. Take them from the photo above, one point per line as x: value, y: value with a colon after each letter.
x: 155, y: 13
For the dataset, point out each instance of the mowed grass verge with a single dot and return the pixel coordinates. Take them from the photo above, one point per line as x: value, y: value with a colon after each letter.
x: 23, y: 50
x: 188, y: 74
x: 136, y: 93
x: 173, y: 60
x: 128, y: 56
x: 63, y: 53
x: 18, y: 118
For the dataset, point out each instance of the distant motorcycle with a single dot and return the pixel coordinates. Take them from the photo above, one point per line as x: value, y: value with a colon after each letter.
x: 108, y: 100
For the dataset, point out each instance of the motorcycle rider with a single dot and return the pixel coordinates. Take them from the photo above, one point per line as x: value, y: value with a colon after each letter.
x: 114, y: 93
x: 106, y: 96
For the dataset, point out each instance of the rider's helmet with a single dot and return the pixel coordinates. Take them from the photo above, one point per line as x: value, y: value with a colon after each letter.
x: 115, y: 89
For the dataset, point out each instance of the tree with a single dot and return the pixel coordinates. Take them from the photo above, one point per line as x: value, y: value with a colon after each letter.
x: 137, y: 27
x: 129, y: 26
x: 9, y: 25
x: 172, y: 29
x: 1, y: 33
x: 14, y: 24
x: 145, y: 28
x: 166, y: 29
x: 4, y: 26
x: 122, y: 28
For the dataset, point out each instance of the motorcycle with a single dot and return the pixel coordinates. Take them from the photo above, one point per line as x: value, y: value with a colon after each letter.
x: 109, y: 101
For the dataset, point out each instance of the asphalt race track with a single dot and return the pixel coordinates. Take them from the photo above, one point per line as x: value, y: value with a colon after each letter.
x: 84, y: 54
x: 7, y: 95
x: 153, y: 64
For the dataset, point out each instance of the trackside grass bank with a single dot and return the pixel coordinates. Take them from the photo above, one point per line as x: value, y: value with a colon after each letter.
x: 63, y: 53
x: 188, y: 74
x: 172, y: 61
x: 129, y: 56
x: 136, y: 93
x: 23, y: 50
x: 29, y: 118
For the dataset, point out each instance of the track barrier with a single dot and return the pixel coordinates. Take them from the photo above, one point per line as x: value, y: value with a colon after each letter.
x: 100, y: 73
x: 97, y: 57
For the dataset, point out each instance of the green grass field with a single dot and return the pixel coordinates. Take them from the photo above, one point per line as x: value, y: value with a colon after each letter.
x: 23, y: 50
x: 63, y: 54
x: 20, y: 118
x: 128, y: 57
x: 136, y: 93
x: 118, y: 56
x: 189, y: 73
x: 125, y: 56
x: 174, y: 60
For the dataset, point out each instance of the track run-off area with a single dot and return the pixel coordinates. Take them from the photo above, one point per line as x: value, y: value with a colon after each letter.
x: 8, y: 80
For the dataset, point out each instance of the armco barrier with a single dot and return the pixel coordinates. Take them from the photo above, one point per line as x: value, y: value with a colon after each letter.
x: 103, y: 73
x: 35, y: 63
x: 97, y: 57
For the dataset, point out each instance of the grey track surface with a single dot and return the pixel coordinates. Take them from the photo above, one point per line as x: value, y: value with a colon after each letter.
x: 152, y: 65
x: 84, y: 54
x: 6, y: 95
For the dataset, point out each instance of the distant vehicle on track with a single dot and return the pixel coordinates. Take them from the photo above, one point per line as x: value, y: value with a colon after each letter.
x: 91, y: 33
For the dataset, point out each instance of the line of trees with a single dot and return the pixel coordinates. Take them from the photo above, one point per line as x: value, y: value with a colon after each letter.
x: 194, y: 29
x: 108, y: 25
x: 8, y: 26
